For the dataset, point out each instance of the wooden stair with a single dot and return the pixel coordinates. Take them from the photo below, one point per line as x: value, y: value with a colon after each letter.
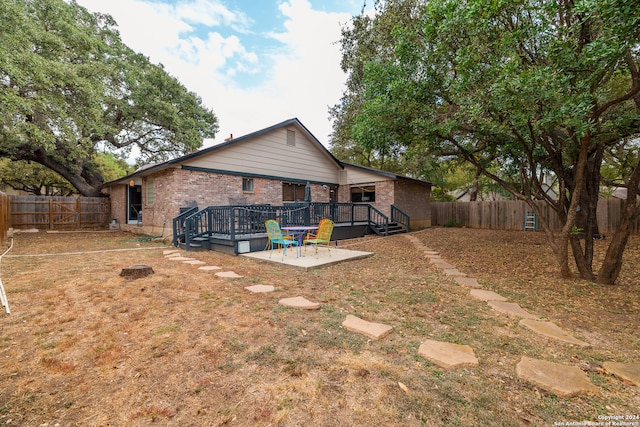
x: 392, y: 229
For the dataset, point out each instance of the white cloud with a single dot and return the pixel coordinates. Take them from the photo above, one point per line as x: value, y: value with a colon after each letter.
x: 211, y: 14
x: 299, y: 77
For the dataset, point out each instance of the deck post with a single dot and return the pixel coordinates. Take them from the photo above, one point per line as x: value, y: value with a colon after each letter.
x: 232, y: 223
x: 307, y: 215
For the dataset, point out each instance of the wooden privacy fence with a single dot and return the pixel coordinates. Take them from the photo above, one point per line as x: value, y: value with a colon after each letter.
x: 59, y: 213
x: 5, y: 217
x: 510, y: 215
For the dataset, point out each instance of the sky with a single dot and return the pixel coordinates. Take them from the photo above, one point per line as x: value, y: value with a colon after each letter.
x: 254, y: 63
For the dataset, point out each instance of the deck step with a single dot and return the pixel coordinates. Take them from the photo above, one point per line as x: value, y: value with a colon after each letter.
x: 392, y: 228
x: 194, y: 246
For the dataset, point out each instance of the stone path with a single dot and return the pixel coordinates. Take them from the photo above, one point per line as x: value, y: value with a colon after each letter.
x: 372, y: 330
x: 563, y: 380
x: 299, y: 302
x: 448, y: 355
x: 260, y: 289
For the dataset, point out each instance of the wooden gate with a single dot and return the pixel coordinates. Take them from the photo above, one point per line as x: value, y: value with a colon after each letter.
x: 59, y: 213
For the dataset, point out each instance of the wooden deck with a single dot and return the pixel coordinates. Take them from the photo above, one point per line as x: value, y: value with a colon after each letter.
x: 240, y: 229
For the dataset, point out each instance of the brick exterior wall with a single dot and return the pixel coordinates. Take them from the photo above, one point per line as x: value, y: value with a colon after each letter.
x: 175, y: 188
x: 414, y: 199
x: 118, y: 198
x: 385, y: 196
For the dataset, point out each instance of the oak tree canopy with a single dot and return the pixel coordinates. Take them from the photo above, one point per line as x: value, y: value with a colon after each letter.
x: 70, y: 88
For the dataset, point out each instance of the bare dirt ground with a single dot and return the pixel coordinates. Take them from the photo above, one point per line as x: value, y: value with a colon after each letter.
x: 183, y: 347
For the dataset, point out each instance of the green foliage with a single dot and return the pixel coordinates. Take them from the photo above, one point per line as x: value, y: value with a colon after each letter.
x: 69, y: 85
x: 519, y: 90
x: 33, y: 178
x: 112, y: 167
x: 452, y: 222
x: 439, y: 195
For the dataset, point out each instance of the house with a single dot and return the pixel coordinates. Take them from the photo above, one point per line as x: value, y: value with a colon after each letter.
x: 272, y: 166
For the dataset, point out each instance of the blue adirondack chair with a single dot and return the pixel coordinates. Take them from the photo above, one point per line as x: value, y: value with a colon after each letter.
x: 276, y: 237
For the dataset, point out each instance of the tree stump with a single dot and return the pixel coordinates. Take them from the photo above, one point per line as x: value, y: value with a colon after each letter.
x: 136, y: 271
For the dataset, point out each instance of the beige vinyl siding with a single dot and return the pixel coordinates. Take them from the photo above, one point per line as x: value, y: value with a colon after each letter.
x: 270, y: 155
x: 361, y: 176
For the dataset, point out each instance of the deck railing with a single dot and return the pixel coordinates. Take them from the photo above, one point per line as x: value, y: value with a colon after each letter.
x: 179, y: 224
x: 238, y: 221
x: 379, y: 219
x: 400, y: 217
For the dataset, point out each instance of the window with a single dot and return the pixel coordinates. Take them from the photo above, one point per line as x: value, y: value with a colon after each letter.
x: 151, y: 194
x: 363, y: 193
x: 247, y: 185
x: 291, y: 137
x: 292, y: 192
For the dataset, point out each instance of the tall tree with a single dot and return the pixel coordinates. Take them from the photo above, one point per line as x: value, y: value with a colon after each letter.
x: 366, y: 40
x: 36, y: 179
x: 33, y: 178
x: 69, y: 86
x: 519, y: 89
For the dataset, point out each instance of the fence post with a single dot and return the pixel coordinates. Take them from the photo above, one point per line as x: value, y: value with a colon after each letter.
x: 50, y: 214
x: 78, y: 213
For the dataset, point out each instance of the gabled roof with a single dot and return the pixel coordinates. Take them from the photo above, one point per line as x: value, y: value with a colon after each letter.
x: 145, y: 170
x: 385, y: 174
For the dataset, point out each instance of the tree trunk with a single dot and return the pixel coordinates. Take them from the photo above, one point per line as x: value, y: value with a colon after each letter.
x: 585, y: 269
x: 612, y: 264
x: 586, y: 216
x: 473, y: 192
x: 87, y: 181
x: 136, y: 271
x: 572, y: 210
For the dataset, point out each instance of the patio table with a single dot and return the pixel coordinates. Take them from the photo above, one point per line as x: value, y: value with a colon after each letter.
x: 298, y: 232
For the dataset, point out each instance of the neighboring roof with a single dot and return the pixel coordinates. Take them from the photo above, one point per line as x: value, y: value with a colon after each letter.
x: 386, y: 174
x: 145, y: 170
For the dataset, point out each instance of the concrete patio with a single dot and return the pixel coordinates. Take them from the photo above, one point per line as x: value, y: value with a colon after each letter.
x: 309, y: 260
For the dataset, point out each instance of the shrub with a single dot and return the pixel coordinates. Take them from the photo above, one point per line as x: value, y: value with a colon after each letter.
x: 452, y: 223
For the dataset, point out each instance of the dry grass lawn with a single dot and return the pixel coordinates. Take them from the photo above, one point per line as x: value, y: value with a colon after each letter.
x: 183, y: 347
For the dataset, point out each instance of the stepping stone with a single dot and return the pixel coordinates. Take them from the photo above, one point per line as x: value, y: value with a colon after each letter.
x: 433, y: 258
x: 627, y: 371
x: 260, y: 289
x: 170, y: 252
x: 431, y: 253
x: 173, y: 254
x: 563, y: 380
x: 228, y: 274
x: 467, y: 281
x: 180, y: 258
x: 209, y: 268
x: 370, y: 329
x: 486, y: 295
x: 448, y: 355
x: 511, y: 308
x: 453, y: 272
x: 195, y: 262
x: 552, y: 330
x: 299, y: 302
x: 442, y: 264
